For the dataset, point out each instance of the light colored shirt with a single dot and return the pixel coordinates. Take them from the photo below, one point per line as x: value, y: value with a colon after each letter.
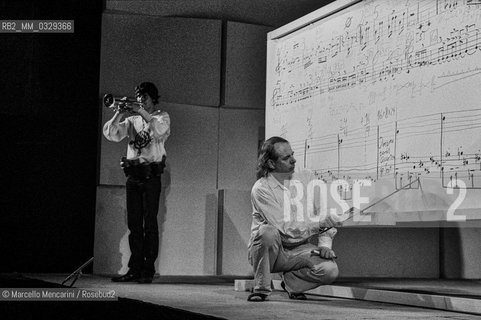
x: 158, y: 129
x: 271, y: 204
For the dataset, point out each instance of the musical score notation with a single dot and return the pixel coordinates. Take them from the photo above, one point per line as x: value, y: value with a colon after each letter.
x: 382, y: 47
x: 393, y: 156
x: 383, y: 91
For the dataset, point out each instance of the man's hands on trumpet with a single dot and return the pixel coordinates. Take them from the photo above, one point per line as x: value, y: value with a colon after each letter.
x: 136, y: 106
x: 124, y: 104
x: 142, y: 105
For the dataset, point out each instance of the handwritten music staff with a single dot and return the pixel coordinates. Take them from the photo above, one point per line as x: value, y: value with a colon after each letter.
x: 451, y: 163
x: 416, y: 26
x: 376, y: 87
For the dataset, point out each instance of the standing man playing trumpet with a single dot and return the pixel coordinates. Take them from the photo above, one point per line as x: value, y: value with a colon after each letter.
x: 147, y: 130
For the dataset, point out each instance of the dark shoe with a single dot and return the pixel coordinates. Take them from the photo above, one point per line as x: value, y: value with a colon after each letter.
x: 257, y: 297
x: 293, y: 296
x: 128, y: 277
x: 145, y: 279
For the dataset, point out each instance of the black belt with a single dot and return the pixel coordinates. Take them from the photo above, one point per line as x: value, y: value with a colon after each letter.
x: 142, y: 171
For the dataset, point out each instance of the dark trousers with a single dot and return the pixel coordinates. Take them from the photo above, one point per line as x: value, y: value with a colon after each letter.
x: 142, y: 207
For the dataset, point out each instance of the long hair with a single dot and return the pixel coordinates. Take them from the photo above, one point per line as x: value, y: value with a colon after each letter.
x: 267, y: 153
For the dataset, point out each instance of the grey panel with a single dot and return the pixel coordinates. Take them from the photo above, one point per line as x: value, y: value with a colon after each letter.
x: 387, y: 252
x: 245, y: 84
x: 181, y: 56
x: 240, y: 132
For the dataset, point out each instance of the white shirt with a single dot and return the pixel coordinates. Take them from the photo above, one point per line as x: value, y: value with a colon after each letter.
x: 269, y: 196
x: 158, y: 129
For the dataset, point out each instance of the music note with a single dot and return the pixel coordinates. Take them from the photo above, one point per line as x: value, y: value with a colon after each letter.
x: 391, y: 24
x: 402, y: 22
x: 404, y: 156
x: 364, y: 36
x: 335, y: 47
x: 412, y: 18
x: 472, y: 48
x: 440, y: 54
x: 420, y: 57
x: 452, y: 48
x: 378, y: 31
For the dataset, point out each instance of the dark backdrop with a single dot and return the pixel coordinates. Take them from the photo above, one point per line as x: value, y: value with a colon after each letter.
x: 49, y: 124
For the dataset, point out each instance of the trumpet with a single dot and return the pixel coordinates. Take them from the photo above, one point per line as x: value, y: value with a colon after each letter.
x: 119, y: 104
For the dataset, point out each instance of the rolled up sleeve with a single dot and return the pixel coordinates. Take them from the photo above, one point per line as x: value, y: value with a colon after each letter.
x: 160, y: 126
x: 115, y: 131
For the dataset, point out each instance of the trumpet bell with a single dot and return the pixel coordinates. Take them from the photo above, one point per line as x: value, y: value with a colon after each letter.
x: 108, y: 100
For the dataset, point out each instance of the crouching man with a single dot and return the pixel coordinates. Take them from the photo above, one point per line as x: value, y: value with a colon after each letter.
x: 280, y: 244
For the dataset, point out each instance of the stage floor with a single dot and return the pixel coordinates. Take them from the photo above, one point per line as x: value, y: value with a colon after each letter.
x: 216, y: 297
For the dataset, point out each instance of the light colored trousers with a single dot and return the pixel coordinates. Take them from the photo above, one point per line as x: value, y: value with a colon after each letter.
x: 301, y: 270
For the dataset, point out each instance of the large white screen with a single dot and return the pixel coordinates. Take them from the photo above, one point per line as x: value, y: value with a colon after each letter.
x: 386, y: 91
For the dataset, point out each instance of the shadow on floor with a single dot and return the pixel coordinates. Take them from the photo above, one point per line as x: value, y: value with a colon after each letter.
x: 85, y: 310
